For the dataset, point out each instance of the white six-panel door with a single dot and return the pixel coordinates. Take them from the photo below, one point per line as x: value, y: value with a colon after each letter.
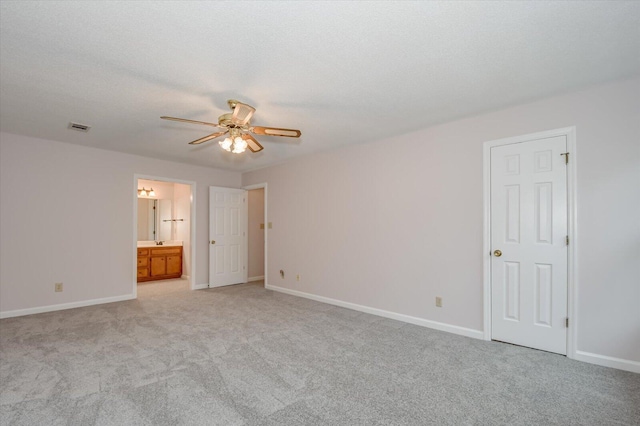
x: 227, y: 236
x: 529, y: 228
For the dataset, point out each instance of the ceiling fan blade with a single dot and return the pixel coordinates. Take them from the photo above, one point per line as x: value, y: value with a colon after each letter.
x: 274, y: 131
x: 184, y: 120
x: 208, y: 138
x: 242, y: 113
x: 252, y: 143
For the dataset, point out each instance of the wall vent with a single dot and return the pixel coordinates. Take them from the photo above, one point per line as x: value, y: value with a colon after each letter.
x: 79, y: 127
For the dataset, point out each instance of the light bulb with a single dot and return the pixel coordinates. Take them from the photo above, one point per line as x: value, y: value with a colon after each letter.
x: 152, y: 193
x: 239, y: 145
x: 143, y: 193
x: 226, y: 144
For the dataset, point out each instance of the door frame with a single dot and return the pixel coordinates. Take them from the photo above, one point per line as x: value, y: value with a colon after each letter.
x: 192, y: 213
x: 266, y: 229
x: 572, y: 228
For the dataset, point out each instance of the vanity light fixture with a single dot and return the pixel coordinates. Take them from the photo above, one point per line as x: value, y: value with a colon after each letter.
x: 144, y: 193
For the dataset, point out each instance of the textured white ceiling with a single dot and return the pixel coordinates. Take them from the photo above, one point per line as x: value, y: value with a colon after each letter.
x: 342, y: 72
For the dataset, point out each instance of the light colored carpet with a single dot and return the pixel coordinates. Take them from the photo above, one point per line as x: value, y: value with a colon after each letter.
x: 245, y: 355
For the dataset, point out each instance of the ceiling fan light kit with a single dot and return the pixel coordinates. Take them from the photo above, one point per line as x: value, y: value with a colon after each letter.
x: 237, y: 125
x: 234, y: 143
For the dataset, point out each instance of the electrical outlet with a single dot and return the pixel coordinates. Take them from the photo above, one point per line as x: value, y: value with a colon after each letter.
x: 269, y: 225
x: 58, y: 287
x: 298, y: 277
x: 439, y: 302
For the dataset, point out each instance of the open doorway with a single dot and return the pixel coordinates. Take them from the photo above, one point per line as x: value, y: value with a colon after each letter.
x: 164, y: 231
x: 257, y: 234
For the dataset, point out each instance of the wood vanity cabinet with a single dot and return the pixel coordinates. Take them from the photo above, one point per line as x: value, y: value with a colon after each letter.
x: 143, y: 264
x: 159, y: 263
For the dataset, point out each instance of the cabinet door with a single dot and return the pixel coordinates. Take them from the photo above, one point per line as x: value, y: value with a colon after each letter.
x: 174, y: 265
x: 158, y: 266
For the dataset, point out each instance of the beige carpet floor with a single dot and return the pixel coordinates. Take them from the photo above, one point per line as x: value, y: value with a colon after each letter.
x: 243, y: 355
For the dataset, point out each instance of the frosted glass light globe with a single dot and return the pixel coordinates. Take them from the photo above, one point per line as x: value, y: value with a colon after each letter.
x: 239, y: 145
x: 226, y: 144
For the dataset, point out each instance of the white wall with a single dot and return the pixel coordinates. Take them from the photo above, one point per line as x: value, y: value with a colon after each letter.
x: 182, y: 209
x: 394, y: 223
x: 255, y: 234
x: 49, y: 235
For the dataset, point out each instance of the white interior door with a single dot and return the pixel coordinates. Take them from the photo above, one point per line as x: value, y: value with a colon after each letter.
x: 227, y: 236
x: 529, y: 228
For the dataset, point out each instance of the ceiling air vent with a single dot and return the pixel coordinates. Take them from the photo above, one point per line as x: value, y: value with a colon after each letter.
x: 79, y: 127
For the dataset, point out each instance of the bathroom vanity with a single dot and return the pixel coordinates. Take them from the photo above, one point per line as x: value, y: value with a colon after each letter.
x: 159, y: 262
x: 159, y: 256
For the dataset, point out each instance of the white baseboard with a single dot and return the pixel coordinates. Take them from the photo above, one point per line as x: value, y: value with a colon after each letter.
x: 63, y: 306
x: 476, y: 334
x: 608, y: 361
x: 258, y: 278
x: 200, y: 286
x: 603, y: 360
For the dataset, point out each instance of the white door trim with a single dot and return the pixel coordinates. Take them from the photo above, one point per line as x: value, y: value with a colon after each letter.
x: 572, y: 287
x: 266, y: 228
x: 192, y: 184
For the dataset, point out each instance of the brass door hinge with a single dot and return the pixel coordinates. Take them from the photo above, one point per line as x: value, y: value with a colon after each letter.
x: 567, y: 240
x: 566, y: 157
x: 566, y: 323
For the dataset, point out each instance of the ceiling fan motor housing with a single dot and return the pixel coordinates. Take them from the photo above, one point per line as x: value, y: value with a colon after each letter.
x: 225, y: 120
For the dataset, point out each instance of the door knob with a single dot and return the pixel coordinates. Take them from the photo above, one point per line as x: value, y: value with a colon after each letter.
x: 213, y: 241
x: 497, y: 253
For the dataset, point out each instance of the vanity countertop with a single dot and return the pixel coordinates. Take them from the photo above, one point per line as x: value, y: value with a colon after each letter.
x: 164, y: 244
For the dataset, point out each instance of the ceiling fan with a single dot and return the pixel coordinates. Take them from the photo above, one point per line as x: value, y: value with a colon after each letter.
x: 237, y: 125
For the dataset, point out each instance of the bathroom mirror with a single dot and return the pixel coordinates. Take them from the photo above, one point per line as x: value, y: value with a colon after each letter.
x: 154, y: 220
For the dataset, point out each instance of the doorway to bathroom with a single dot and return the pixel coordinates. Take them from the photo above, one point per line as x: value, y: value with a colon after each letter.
x: 257, y: 227
x: 164, y: 231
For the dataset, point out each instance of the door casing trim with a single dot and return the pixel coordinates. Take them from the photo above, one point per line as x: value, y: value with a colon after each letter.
x: 572, y: 228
